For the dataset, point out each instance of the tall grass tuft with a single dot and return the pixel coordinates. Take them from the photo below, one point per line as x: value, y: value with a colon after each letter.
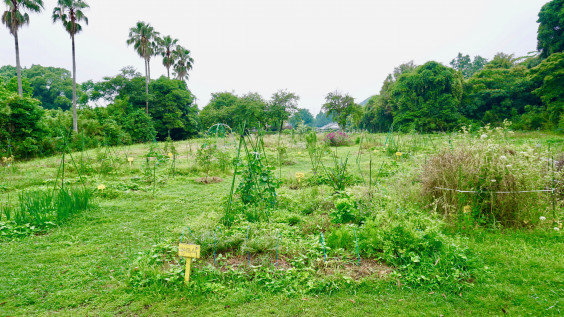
x: 483, y: 180
x: 39, y: 208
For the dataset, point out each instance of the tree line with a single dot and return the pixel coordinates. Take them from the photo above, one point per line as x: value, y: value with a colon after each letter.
x: 36, y: 103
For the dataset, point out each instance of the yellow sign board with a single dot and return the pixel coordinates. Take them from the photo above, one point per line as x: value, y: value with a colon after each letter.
x: 189, y: 251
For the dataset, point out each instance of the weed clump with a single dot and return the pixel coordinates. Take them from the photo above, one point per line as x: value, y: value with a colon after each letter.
x: 484, y: 181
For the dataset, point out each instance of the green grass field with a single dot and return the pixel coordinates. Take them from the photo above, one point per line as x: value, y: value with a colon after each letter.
x: 84, y: 265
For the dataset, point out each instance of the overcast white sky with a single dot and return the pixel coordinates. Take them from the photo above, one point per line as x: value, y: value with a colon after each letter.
x: 310, y: 47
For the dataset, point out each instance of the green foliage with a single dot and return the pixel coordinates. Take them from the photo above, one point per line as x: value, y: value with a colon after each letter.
x: 549, y: 78
x: 302, y: 116
x: 427, y: 99
x: 466, y: 66
x: 497, y: 93
x: 551, y: 28
x: 340, y: 107
x: 281, y: 106
x: 39, y: 210
x: 346, y: 209
x: 421, y: 255
x: 227, y: 108
x: 173, y: 109
x: 258, y: 183
x: 322, y: 119
x: 378, y: 115
x: 50, y: 85
x: 20, y: 124
x: 338, y: 176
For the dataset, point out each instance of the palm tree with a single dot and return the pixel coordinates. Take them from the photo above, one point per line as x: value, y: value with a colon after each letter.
x: 69, y: 12
x: 183, y: 62
x: 143, y: 37
x: 14, y: 18
x: 166, y: 47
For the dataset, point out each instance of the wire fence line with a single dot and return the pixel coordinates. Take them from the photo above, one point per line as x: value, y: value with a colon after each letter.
x: 496, y: 192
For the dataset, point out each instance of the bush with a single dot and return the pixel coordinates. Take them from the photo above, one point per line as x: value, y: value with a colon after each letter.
x: 337, y: 139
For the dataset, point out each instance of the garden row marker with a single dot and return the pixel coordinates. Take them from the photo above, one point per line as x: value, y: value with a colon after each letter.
x: 248, y: 253
x: 188, y: 251
x: 323, y: 240
x: 277, y: 244
x: 357, y: 253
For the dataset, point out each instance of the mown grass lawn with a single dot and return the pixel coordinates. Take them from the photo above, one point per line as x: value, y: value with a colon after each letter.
x: 82, y: 267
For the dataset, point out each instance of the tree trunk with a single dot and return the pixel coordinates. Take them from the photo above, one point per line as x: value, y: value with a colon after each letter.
x: 146, y: 87
x: 18, y: 66
x: 168, y: 72
x: 74, y: 114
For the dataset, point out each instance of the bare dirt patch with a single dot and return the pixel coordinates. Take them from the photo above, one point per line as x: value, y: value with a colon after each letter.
x: 209, y: 180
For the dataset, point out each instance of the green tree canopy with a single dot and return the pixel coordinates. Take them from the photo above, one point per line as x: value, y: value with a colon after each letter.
x: 549, y: 78
x: 281, y: 106
x: 173, y: 109
x: 427, y: 99
x: 465, y: 65
x: 302, y: 115
x: 340, y: 106
x: 551, y: 28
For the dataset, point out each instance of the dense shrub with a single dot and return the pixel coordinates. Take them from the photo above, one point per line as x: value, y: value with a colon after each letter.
x: 337, y: 139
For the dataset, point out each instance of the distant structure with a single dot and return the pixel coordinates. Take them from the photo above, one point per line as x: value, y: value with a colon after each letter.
x: 329, y: 127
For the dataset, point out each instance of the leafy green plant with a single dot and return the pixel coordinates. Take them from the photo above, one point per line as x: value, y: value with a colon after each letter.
x: 258, y: 183
x: 338, y: 176
x: 346, y: 209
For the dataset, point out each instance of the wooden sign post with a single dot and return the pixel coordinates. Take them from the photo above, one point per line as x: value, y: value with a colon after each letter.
x: 188, y: 251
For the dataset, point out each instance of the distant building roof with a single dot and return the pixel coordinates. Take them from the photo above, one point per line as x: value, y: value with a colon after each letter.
x: 330, y: 126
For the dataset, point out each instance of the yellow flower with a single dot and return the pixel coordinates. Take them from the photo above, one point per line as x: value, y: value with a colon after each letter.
x: 169, y: 154
x: 130, y: 159
x: 398, y: 154
x: 300, y: 175
x: 466, y: 209
x: 101, y: 187
x: 299, y: 153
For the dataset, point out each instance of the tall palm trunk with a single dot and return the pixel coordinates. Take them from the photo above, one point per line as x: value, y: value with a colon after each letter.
x: 168, y: 71
x: 74, y: 114
x: 18, y: 66
x: 146, y: 87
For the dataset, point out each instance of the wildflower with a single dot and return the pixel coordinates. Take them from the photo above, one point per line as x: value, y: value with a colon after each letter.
x: 542, y: 218
x: 466, y: 209
x: 101, y: 187
x: 169, y: 154
x: 375, y: 151
x: 130, y: 159
x: 508, y: 165
x: 556, y: 229
x: 484, y: 136
x: 503, y: 158
x: 398, y: 154
x: 493, y: 181
x: 299, y: 153
x: 299, y: 176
